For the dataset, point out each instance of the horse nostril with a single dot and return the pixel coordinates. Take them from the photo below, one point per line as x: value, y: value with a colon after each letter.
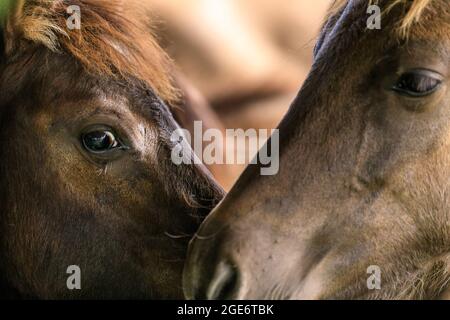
x: 224, y: 284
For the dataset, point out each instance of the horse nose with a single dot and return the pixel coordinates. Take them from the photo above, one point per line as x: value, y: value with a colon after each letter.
x: 224, y: 284
x: 212, y: 271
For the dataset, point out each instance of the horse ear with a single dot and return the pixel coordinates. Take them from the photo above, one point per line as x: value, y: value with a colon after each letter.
x: 11, y: 12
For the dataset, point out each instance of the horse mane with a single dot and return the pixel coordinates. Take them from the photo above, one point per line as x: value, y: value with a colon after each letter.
x: 415, y: 10
x: 114, y: 40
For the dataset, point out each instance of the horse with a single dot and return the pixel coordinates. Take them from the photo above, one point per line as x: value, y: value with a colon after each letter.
x: 91, y: 205
x: 360, y: 206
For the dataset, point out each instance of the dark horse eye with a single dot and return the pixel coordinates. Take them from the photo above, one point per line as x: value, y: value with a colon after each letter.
x: 100, y: 141
x: 416, y: 84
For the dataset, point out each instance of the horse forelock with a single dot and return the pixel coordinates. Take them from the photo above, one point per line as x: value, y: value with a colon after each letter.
x: 413, y: 14
x: 114, y: 39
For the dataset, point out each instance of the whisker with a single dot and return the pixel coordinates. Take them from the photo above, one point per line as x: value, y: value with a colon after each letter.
x: 180, y: 236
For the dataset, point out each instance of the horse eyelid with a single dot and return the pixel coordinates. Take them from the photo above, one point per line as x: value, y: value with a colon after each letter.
x: 411, y: 94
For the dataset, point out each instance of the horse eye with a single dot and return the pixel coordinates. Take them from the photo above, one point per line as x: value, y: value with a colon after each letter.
x: 100, y: 141
x: 416, y: 84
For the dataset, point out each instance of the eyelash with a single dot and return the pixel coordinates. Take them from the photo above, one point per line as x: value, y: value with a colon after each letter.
x: 416, y: 84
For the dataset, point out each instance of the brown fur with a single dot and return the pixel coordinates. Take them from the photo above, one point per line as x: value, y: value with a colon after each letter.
x: 125, y: 216
x: 364, y: 174
x: 114, y: 39
x: 414, y: 12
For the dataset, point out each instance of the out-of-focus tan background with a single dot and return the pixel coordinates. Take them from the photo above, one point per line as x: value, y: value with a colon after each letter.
x: 248, y: 58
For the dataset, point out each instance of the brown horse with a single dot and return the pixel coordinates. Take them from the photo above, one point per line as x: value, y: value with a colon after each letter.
x: 86, y: 181
x: 361, y: 205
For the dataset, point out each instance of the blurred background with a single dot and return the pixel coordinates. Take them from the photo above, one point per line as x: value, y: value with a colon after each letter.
x: 246, y: 59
